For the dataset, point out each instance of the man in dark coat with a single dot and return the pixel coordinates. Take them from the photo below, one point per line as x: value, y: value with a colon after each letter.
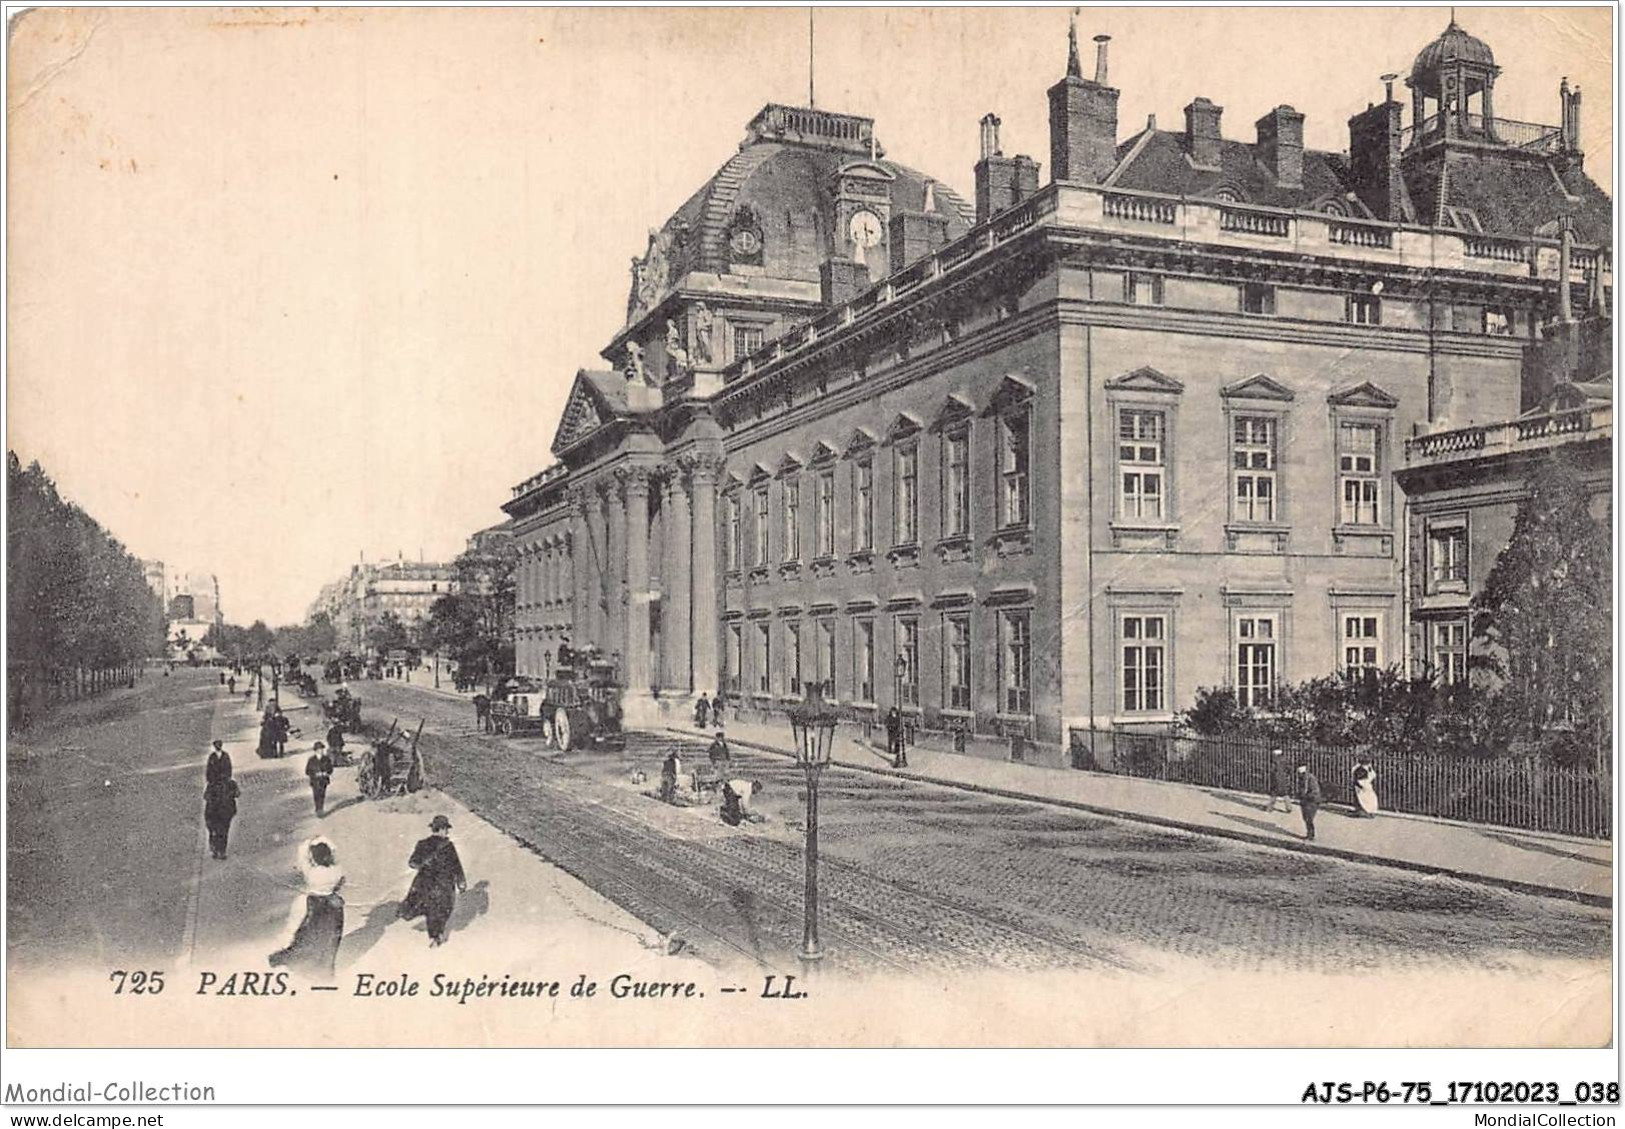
x: 219, y: 808
x: 219, y: 766
x: 482, y: 713
x: 702, y: 712
x: 1308, y: 799
x: 335, y: 741
x: 231, y: 685
x: 281, y: 727
x: 319, y: 770
x: 439, y: 877
x: 894, y: 738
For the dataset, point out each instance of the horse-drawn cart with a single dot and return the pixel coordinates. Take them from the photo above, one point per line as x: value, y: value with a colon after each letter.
x: 393, y: 766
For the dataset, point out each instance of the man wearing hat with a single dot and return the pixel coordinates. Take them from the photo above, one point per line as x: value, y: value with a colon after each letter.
x: 219, y: 766
x: 1308, y: 799
x: 319, y: 770
x: 439, y: 877
x: 1280, y: 782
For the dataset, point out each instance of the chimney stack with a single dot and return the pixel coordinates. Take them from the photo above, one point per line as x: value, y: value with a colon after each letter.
x: 914, y: 235
x: 841, y: 280
x: 1001, y: 182
x: 1280, y: 145
x: 1202, y: 137
x: 990, y: 136
x: 1374, y: 160
x: 1082, y: 120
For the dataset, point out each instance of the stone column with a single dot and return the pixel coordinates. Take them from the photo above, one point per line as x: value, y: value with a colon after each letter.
x: 578, y: 570
x: 635, y: 485
x: 705, y: 582
x: 676, y: 632
x: 614, y: 626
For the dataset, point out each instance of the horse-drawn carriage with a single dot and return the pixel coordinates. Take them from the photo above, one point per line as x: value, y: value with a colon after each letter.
x: 392, y: 767
x: 579, y: 705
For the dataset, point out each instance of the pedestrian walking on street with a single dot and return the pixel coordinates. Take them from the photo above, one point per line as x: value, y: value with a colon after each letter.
x: 1280, y: 782
x: 482, y: 713
x: 670, y: 769
x: 282, y: 727
x: 267, y: 745
x: 716, y: 710
x: 1365, y: 790
x: 702, y: 711
x: 319, y: 770
x: 219, y: 809
x: 439, y: 879
x: 231, y: 685
x: 1308, y: 799
x: 222, y: 678
x: 219, y: 766
x: 718, y: 753
x: 894, y: 738
x: 316, y: 921
x: 335, y: 742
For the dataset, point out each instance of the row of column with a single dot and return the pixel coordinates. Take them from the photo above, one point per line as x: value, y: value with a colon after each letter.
x: 546, y: 577
x: 611, y: 594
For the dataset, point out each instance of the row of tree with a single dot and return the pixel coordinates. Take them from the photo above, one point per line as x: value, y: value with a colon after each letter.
x: 77, y: 599
x: 1540, y: 675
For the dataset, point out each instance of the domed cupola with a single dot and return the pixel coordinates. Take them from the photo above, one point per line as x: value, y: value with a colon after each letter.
x: 1452, y: 86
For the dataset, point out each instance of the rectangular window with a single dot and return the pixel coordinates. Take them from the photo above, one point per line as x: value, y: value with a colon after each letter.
x: 747, y: 339
x: 1257, y: 659
x: 1358, y: 465
x: 1145, y: 663
x: 1142, y: 289
x: 735, y: 657
x: 908, y: 661
x: 826, y: 656
x: 763, y: 529
x: 764, y: 659
x: 1450, y: 651
x: 906, y: 518
x: 1015, y: 661
x: 1253, y: 460
x: 1364, y: 309
x: 792, y: 519
x: 1362, y: 645
x: 863, y: 505
x: 824, y: 518
x: 731, y: 543
x: 957, y: 665
x: 863, y: 659
x: 1257, y: 298
x: 1014, y: 465
x: 792, y: 659
x: 956, y: 484
x: 1498, y: 321
x: 1141, y: 453
x: 1447, y: 558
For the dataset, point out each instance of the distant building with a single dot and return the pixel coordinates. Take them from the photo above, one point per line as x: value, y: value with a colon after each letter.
x: 156, y: 579
x: 356, y: 603
x: 201, y: 591
x: 491, y: 538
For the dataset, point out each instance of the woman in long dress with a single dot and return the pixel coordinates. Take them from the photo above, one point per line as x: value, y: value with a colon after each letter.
x: 316, y: 921
x: 1365, y: 790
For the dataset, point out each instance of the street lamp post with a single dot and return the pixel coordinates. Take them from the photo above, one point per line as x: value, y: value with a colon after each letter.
x: 813, y: 726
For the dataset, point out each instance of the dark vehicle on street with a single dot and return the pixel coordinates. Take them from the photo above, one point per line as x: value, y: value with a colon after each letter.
x: 578, y: 707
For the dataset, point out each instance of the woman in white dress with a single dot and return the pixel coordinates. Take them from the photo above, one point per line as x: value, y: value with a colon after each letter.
x: 1365, y: 790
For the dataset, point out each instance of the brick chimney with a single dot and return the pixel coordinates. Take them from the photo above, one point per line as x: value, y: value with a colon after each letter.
x: 995, y: 173
x: 1374, y: 170
x: 1083, y: 120
x: 1202, y: 136
x: 1569, y: 124
x: 914, y: 235
x: 841, y: 280
x: 1280, y: 145
x: 1026, y: 178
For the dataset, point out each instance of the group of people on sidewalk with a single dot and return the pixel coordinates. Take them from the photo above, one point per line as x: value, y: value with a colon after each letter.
x: 1306, y: 789
x: 310, y: 944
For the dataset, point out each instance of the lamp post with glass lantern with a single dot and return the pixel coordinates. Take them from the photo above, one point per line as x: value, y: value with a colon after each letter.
x: 813, y: 725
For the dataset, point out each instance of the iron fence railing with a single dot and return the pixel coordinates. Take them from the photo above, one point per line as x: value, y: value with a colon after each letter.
x: 1509, y: 792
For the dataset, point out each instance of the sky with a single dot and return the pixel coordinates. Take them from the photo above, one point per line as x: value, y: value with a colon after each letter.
x: 294, y: 287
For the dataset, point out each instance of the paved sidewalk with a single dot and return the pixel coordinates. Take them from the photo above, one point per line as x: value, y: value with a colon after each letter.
x: 1535, y: 862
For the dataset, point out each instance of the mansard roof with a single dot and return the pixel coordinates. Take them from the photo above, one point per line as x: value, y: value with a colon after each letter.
x: 1159, y: 163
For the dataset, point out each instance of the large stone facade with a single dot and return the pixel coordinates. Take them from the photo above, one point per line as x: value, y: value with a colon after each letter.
x: 1059, y: 461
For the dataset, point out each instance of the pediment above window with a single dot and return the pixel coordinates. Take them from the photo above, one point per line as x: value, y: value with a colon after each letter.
x: 1145, y: 379
x: 1012, y: 391
x: 823, y: 453
x: 903, y: 426
x: 1363, y: 395
x: 790, y: 464
x: 1257, y: 387
x: 862, y: 440
x: 760, y: 472
x: 955, y: 408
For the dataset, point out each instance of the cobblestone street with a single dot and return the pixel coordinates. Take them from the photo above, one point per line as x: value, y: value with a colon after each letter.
x: 926, y: 876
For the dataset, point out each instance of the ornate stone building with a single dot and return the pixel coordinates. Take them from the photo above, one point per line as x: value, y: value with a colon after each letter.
x: 1065, y: 456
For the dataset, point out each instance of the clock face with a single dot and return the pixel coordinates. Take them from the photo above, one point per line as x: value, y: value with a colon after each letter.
x: 865, y: 228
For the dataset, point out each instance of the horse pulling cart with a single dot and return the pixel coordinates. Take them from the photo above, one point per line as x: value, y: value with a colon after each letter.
x: 393, y: 767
